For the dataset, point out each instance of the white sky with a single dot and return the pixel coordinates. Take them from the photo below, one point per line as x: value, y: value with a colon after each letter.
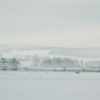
x: 65, y: 23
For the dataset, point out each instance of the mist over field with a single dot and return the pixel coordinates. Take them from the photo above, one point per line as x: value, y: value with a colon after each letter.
x: 49, y: 50
x: 36, y: 57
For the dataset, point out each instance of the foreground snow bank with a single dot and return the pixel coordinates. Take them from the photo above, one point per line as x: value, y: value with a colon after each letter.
x: 37, y: 85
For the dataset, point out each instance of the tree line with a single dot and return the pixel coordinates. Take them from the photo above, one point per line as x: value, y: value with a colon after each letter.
x: 66, y: 63
x: 9, y: 64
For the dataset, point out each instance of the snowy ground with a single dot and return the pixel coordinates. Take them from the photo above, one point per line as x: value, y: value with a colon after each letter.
x: 40, y: 85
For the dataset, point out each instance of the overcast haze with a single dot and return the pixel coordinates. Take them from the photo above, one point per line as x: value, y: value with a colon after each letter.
x: 64, y: 23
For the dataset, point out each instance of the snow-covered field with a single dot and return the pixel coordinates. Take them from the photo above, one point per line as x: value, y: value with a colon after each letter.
x: 42, y: 85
